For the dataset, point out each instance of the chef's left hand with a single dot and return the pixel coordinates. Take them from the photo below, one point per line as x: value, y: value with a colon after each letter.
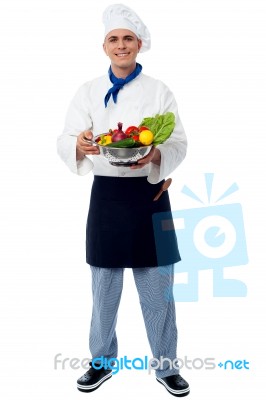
x: 153, y: 156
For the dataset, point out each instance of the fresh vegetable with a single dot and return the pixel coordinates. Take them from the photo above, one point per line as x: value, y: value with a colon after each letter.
x: 128, y: 142
x: 118, y: 133
x: 104, y: 140
x: 146, y: 137
x: 161, y: 126
x: 131, y: 130
x: 142, y: 128
x: 151, y: 131
x: 136, y: 137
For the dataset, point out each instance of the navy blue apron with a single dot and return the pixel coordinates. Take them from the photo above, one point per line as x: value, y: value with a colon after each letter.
x: 119, y: 230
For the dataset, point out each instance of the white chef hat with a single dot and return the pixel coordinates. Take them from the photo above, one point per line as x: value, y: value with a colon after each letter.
x: 119, y: 16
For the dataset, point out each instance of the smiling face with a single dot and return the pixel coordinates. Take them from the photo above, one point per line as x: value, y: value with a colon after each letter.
x: 122, y: 47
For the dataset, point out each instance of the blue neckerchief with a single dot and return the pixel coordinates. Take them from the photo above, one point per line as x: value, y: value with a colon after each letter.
x: 118, y: 83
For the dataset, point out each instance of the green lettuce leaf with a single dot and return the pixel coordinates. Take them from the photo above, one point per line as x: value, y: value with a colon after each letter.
x: 161, y: 126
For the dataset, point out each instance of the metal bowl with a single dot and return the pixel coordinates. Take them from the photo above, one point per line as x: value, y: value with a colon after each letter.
x: 121, y: 156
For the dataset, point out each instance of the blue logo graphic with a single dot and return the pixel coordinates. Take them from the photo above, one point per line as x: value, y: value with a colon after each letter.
x: 209, y: 237
x: 230, y: 364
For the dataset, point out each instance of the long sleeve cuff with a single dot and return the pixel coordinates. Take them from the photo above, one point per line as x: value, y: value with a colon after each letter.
x: 67, y: 152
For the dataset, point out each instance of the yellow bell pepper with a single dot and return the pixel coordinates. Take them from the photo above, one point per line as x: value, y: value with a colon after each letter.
x: 106, y: 139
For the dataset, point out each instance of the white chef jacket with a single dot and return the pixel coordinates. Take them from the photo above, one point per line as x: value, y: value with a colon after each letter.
x: 140, y: 98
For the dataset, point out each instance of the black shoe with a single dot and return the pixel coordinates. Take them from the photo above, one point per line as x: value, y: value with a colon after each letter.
x: 93, y: 378
x: 175, y: 385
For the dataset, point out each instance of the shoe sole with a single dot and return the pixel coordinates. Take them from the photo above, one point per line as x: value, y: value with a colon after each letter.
x: 177, y: 393
x: 91, y: 388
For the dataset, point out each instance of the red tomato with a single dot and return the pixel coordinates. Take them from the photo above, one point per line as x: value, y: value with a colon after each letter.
x: 131, y: 129
x: 143, y: 128
x: 136, y: 137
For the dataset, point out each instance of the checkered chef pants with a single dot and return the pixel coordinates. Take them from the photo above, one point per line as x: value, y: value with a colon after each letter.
x: 154, y: 286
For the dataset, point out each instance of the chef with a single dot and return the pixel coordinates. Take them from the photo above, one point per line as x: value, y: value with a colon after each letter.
x: 120, y: 232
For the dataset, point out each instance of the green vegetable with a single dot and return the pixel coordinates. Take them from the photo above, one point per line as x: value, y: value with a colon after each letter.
x: 161, y: 126
x: 129, y: 142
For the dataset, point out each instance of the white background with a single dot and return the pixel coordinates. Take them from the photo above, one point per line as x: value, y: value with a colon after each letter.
x: 212, y: 55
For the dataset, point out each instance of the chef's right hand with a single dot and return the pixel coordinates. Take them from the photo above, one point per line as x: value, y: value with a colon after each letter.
x: 83, y: 148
